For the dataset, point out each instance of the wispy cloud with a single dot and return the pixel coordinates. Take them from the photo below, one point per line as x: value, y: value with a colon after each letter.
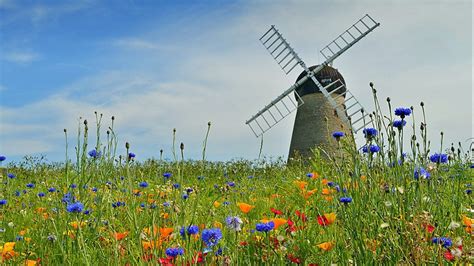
x: 21, y: 57
x: 140, y: 44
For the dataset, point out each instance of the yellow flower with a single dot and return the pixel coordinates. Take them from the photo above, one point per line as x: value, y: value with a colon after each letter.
x: 30, y: 262
x: 7, y: 250
x: 331, y: 217
x: 216, y: 204
x: 326, y: 246
x: 217, y: 224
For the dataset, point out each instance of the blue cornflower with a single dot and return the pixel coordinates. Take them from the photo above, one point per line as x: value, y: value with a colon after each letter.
x: 231, y: 184
x: 51, y: 189
x: 131, y: 155
x: 174, y: 252
x: 142, y: 205
x: 421, y: 172
x: 94, y: 153
x: 87, y: 212
x: 11, y: 175
x: 250, y: 176
x: 73, y: 186
x: 399, y: 124
x: 176, y: 185
x: 41, y: 194
x: 226, y: 203
x: 185, y: 196
x: 345, y: 200
x: 153, y: 206
x: 68, y: 198
x: 211, y: 236
x: 30, y: 185
x: 371, y: 148
x: 265, y: 227
x: 2, y: 158
x: 218, y: 252
x: 166, y: 204
x: 75, y: 207
x: 445, y: 241
x: 3, y: 202
x: 191, y: 230
x: 439, y: 158
x: 189, y: 190
x: 17, y: 193
x: 143, y: 184
x: 337, y: 135
x: 402, y: 112
x: 369, y: 133
x: 468, y: 191
x: 331, y: 184
x: 167, y: 175
x: 233, y: 222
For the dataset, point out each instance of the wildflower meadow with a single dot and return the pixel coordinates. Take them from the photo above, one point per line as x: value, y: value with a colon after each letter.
x: 392, y: 201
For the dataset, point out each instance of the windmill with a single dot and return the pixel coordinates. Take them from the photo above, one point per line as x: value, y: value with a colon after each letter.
x: 321, y: 87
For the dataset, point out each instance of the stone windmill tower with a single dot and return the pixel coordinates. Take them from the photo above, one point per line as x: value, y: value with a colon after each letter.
x: 319, y: 93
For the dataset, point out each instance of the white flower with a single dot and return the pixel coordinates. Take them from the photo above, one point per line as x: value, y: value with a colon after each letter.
x: 388, y: 204
x: 384, y: 225
x: 456, y: 252
x: 453, y: 225
x: 11, y: 224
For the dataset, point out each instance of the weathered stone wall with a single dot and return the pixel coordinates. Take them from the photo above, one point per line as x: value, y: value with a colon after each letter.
x: 311, y: 128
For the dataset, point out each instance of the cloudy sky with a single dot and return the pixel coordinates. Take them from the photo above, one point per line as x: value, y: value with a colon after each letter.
x: 159, y: 65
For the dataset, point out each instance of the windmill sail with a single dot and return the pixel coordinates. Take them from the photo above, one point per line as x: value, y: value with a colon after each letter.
x: 288, y: 59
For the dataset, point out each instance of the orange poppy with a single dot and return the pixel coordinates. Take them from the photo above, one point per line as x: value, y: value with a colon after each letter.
x: 119, y: 236
x: 326, y: 246
x: 7, y: 250
x: 279, y: 221
x: 165, y: 232
x: 30, y: 262
x: 216, y: 204
x: 324, y: 181
x: 309, y: 193
x: 301, y: 184
x: 244, y: 207
x: 326, y: 191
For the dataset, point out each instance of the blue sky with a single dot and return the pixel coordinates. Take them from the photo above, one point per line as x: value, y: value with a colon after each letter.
x: 159, y: 65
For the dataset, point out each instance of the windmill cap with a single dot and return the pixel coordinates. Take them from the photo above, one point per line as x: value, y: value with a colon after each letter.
x: 325, y: 76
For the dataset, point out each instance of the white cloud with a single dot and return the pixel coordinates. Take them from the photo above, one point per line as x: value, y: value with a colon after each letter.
x: 223, y: 74
x: 20, y: 57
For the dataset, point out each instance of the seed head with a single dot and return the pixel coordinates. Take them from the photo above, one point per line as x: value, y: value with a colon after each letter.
x: 181, y: 146
x: 422, y: 104
x: 127, y: 145
x: 388, y: 99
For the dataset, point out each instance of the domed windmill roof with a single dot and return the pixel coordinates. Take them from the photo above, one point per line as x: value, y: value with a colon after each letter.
x: 325, y: 76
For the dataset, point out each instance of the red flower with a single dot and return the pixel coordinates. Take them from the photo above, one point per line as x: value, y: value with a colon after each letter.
x: 166, y: 261
x: 276, y: 212
x: 294, y: 259
x: 448, y: 255
x: 428, y: 227
x: 291, y: 226
x: 243, y: 243
x: 322, y: 220
x: 301, y: 215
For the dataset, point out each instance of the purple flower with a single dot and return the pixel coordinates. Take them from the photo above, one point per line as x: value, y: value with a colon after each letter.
x: 233, y: 222
x: 2, y: 158
x: 131, y: 155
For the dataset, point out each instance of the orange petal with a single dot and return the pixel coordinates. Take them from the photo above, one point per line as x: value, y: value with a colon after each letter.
x: 326, y: 246
x: 244, y: 207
